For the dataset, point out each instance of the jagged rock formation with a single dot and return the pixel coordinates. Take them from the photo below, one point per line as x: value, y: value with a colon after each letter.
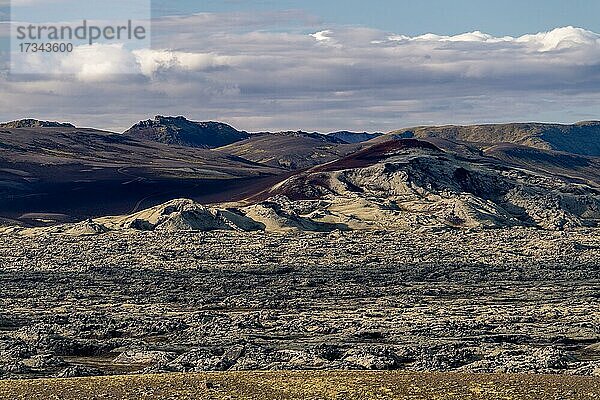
x: 34, y: 123
x: 508, y: 300
x: 182, y: 215
x: 580, y: 138
x: 279, y: 214
x: 276, y: 215
x: 182, y: 132
x: 86, y: 228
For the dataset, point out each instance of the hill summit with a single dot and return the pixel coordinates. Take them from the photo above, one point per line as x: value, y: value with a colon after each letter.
x: 181, y: 131
x: 34, y: 123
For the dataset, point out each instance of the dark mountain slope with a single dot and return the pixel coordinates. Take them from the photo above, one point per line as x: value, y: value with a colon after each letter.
x: 85, y: 172
x: 291, y: 150
x: 581, y: 168
x: 180, y: 131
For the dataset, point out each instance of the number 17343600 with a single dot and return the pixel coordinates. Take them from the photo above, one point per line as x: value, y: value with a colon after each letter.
x: 46, y: 47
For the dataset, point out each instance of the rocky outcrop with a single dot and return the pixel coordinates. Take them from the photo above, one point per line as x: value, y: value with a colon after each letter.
x: 405, y: 186
x: 182, y: 132
x: 85, y: 228
x: 34, y: 123
x: 130, y: 301
x: 410, y: 186
x: 182, y: 215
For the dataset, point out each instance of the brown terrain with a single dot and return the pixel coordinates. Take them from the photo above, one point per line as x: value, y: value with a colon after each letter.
x: 580, y: 138
x: 308, y: 385
x: 53, y: 172
x: 188, y: 256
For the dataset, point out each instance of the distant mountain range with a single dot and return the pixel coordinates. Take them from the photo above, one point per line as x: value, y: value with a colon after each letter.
x: 181, y: 131
x: 53, y: 172
x: 580, y: 138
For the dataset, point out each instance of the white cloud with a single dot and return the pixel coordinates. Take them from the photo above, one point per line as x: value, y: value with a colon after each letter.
x: 558, y: 39
x: 153, y: 61
x: 96, y: 63
x: 322, y: 36
x: 562, y: 38
x: 99, y: 62
x: 336, y: 78
x: 544, y: 41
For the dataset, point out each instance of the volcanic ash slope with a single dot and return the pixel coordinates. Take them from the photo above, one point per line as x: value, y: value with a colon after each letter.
x: 409, y: 183
x: 396, y: 185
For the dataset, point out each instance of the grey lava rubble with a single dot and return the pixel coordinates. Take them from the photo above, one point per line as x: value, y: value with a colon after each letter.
x: 503, y: 300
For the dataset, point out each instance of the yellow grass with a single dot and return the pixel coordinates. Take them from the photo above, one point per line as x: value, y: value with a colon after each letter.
x: 308, y: 385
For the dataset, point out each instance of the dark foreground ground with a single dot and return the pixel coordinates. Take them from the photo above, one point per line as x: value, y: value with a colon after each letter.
x: 308, y: 385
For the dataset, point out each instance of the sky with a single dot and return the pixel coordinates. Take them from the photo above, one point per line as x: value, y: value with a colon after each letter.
x: 417, y: 17
x: 327, y: 65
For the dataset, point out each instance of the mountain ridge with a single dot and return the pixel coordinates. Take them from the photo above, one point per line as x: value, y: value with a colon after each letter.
x: 34, y: 123
x: 46, y: 172
x: 581, y: 137
x: 578, y: 138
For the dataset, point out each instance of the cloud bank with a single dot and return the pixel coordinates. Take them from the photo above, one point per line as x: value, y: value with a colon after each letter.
x: 232, y: 68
